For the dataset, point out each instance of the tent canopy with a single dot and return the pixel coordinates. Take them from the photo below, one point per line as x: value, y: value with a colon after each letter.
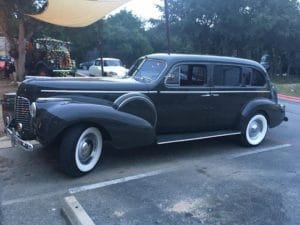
x: 77, y: 13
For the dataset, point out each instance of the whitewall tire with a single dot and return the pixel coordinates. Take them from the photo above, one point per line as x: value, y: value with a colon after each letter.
x: 255, y: 130
x: 80, y: 150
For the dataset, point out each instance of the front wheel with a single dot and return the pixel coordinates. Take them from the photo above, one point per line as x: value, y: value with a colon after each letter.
x: 80, y: 150
x: 255, y: 130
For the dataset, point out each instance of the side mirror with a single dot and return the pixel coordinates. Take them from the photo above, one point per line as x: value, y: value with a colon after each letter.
x: 171, y: 79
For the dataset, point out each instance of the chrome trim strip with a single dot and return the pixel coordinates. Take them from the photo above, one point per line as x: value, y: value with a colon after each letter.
x: 151, y: 92
x: 53, y: 99
x: 184, y: 92
x: 80, y: 91
x: 95, y: 92
x: 212, y: 92
x: 233, y: 92
x: 198, y: 138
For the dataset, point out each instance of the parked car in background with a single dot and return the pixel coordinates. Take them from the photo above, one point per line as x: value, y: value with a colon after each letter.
x: 6, y: 62
x: 49, y: 57
x: 112, y: 68
x: 86, y: 65
x: 167, y: 99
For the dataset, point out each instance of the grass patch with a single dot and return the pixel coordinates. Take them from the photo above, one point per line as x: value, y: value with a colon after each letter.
x: 289, y: 89
x: 287, y: 85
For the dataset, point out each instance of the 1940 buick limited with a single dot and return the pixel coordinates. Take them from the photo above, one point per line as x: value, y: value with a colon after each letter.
x: 165, y: 99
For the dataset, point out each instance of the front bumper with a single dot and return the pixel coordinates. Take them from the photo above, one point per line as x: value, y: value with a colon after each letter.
x: 16, y: 141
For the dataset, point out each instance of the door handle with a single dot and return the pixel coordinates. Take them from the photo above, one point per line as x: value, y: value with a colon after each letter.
x: 205, y: 95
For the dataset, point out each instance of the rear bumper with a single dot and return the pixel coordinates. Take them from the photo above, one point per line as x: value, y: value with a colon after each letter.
x: 16, y: 141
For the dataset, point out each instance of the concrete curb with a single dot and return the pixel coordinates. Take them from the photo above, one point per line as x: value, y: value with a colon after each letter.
x: 288, y: 98
x: 75, y: 213
x: 5, y: 142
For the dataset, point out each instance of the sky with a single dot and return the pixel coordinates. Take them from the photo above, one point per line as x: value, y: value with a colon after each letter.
x: 145, y: 9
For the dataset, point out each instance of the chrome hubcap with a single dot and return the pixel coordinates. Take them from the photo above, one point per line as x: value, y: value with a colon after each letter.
x: 255, y: 128
x: 87, y: 148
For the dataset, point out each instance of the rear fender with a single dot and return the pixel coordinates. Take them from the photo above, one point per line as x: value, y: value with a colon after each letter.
x: 274, y: 112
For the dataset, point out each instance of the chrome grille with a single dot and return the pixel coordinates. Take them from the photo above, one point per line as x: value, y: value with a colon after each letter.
x: 22, y: 114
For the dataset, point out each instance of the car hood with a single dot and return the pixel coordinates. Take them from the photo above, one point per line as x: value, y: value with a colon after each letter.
x: 37, y: 87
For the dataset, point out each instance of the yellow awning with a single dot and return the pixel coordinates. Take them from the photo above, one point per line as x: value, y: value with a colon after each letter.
x: 77, y: 13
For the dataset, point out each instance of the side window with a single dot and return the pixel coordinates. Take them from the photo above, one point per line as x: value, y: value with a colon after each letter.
x: 252, y: 77
x: 199, y: 75
x: 193, y: 75
x: 257, y: 79
x: 247, y: 76
x: 227, y: 76
x: 187, y: 75
x: 184, y: 74
x: 98, y: 63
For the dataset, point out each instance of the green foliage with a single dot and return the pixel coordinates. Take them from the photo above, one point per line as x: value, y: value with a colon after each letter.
x: 124, y: 37
x: 121, y: 36
x: 245, y: 28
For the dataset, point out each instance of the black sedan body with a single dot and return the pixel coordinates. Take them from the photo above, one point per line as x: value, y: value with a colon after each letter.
x: 164, y: 99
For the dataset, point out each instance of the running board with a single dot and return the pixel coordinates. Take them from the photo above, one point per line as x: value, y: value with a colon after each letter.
x: 174, y: 138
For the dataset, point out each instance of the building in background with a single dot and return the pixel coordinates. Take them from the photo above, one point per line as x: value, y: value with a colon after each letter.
x: 4, y: 45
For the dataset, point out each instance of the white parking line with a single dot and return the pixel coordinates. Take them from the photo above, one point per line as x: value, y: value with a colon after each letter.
x: 116, y: 181
x: 126, y: 179
x: 259, y: 151
x: 32, y: 198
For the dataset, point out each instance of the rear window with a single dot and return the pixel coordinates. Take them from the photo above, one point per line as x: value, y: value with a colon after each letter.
x: 252, y: 77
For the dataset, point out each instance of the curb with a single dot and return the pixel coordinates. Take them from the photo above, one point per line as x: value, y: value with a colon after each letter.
x: 5, y: 142
x: 289, y: 98
x: 75, y: 213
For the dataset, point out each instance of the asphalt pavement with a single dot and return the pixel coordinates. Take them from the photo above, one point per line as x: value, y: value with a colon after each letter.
x: 204, y: 182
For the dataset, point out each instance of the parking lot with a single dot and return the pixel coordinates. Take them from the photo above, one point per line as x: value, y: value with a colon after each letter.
x: 204, y: 182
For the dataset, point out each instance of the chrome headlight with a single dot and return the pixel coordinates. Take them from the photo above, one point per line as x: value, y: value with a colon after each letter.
x: 32, y: 109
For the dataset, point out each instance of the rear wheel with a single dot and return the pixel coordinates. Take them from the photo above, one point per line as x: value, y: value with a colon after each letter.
x: 255, y: 130
x: 80, y: 150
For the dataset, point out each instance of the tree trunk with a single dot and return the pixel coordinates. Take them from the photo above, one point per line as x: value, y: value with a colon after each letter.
x: 20, y: 62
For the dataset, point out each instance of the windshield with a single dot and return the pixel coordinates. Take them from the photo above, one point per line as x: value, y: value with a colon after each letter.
x: 147, y: 70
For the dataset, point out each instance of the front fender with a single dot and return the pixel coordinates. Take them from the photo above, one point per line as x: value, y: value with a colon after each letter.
x: 275, y: 112
x: 125, y: 130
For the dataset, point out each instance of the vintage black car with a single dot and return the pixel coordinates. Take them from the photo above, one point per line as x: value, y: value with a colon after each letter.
x: 165, y: 99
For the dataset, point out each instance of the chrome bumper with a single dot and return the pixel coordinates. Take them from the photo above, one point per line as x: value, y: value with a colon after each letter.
x: 282, y: 107
x: 16, y: 141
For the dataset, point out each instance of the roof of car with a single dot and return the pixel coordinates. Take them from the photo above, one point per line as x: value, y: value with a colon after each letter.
x: 207, y: 58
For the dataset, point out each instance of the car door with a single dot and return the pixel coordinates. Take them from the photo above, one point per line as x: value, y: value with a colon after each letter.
x: 233, y: 87
x: 183, y: 101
